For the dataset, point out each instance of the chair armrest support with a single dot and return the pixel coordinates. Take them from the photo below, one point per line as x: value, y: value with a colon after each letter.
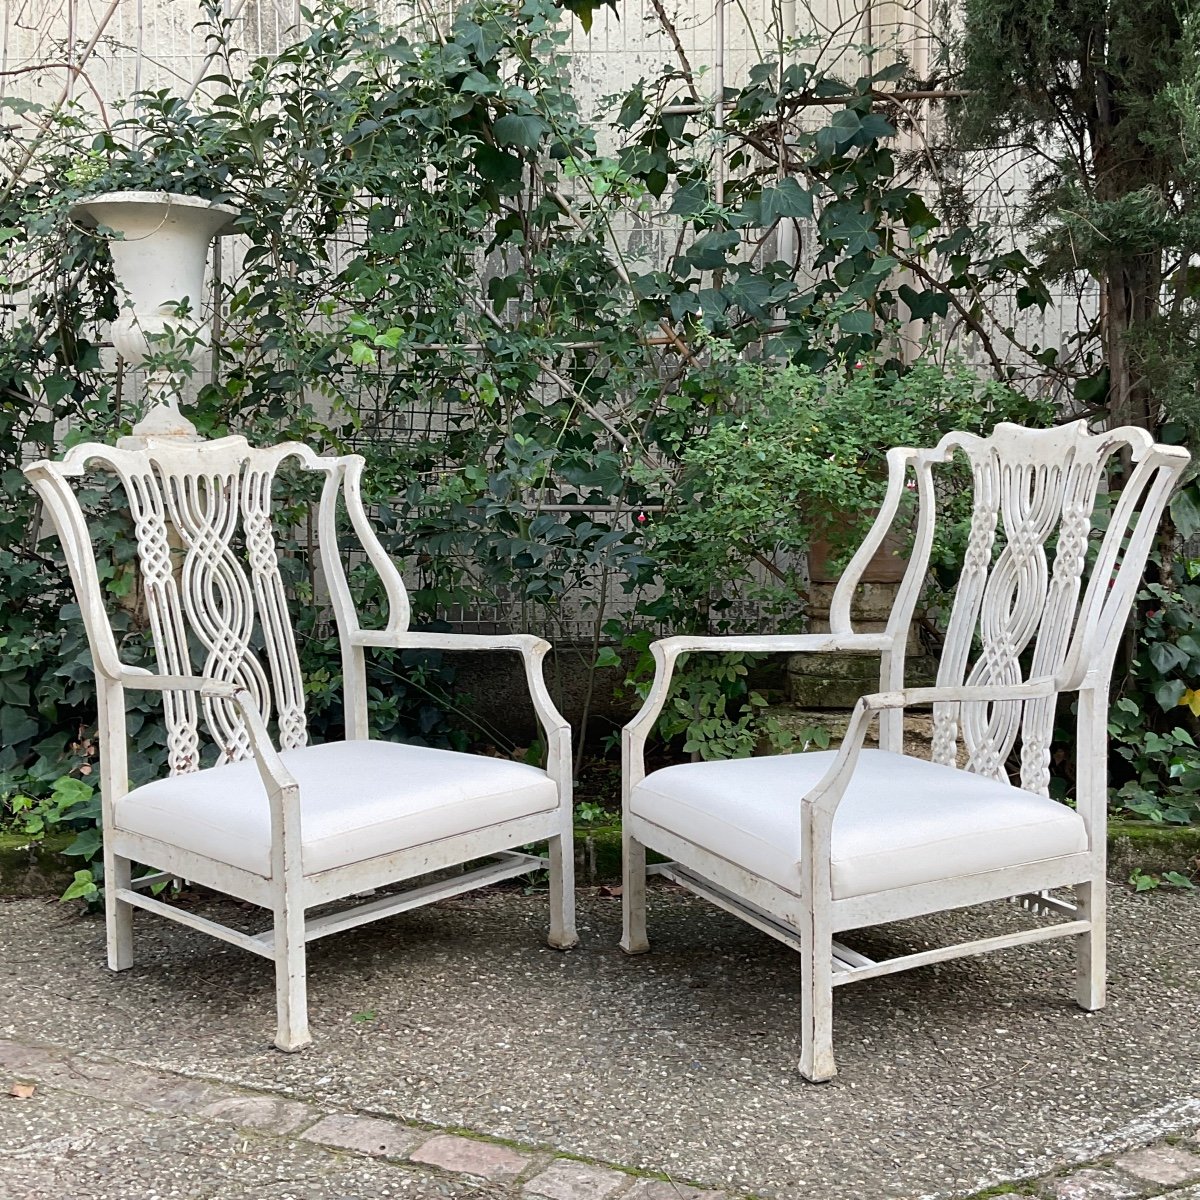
x: 277, y: 779
x: 532, y: 650
x: 1033, y: 689
x: 827, y: 795
x: 775, y: 643
x: 666, y: 652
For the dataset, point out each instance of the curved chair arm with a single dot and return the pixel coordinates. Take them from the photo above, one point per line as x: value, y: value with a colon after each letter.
x: 827, y: 795
x: 532, y: 650
x: 818, y: 807
x: 666, y: 652
x: 277, y: 779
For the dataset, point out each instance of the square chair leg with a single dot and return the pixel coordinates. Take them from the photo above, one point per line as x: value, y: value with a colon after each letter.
x: 633, y: 895
x: 1090, y: 954
x: 118, y: 914
x: 562, y: 894
x: 816, y: 1003
x: 291, y: 982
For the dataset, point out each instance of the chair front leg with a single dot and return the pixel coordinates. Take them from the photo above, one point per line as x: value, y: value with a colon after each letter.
x: 291, y: 982
x: 562, y: 893
x: 118, y: 914
x: 814, y: 918
x: 816, y: 1001
x: 633, y: 893
x: 1091, y: 900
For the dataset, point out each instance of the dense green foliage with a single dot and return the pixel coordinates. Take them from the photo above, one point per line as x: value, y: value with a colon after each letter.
x: 1102, y: 99
x: 555, y: 425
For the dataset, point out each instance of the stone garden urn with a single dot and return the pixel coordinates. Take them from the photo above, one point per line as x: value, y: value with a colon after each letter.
x: 159, y: 254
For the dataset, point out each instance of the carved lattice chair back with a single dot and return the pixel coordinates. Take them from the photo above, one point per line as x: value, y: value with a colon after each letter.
x: 269, y: 817
x: 808, y: 845
x: 1042, y: 592
x: 214, y: 595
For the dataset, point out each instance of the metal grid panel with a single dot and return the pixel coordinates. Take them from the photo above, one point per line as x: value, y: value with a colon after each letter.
x: 149, y: 43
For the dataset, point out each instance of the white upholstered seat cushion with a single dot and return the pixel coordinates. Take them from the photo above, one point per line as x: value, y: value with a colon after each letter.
x: 358, y: 800
x: 902, y: 821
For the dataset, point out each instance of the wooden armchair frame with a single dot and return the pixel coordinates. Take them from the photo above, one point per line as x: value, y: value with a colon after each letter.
x: 189, y: 499
x: 1010, y: 604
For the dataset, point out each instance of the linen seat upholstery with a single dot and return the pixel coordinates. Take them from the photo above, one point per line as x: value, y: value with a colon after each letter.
x: 293, y: 828
x: 358, y: 801
x: 900, y: 821
x: 809, y: 846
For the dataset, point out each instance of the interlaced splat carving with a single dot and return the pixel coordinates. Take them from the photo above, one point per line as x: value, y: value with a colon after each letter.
x: 165, y: 614
x: 1058, y: 620
x: 272, y: 606
x: 977, y: 561
x: 1007, y: 601
x: 217, y: 598
x: 187, y: 510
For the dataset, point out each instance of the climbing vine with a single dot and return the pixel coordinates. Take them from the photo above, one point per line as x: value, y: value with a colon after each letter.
x: 431, y: 270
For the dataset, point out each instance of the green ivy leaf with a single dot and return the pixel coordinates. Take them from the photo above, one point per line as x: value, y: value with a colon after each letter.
x: 923, y: 305
x: 520, y: 129
x: 608, y: 657
x: 785, y: 199
x: 57, y: 387
x: 1185, y: 511
x: 690, y: 199
x: 1165, y: 656
x: 858, y: 321
x: 847, y: 221
x: 846, y: 125
x: 875, y: 126
x: 83, y: 887
x: 710, y: 251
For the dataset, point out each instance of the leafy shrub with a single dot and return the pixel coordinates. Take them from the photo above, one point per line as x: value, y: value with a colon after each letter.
x: 1154, y: 721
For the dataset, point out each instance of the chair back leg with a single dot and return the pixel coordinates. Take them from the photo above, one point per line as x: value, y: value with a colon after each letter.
x: 1091, y: 902
x: 633, y: 895
x: 118, y: 914
x: 562, y: 893
x: 291, y: 990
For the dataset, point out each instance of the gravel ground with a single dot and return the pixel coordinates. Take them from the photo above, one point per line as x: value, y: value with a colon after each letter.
x: 952, y: 1077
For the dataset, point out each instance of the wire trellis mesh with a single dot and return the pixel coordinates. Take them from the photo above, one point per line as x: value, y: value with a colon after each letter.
x: 99, y: 52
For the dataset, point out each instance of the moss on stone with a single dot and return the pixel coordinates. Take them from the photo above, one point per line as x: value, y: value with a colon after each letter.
x: 35, y: 867
x: 1147, y: 846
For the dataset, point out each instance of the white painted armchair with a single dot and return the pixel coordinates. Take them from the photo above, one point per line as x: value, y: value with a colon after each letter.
x: 806, y: 846
x: 275, y: 821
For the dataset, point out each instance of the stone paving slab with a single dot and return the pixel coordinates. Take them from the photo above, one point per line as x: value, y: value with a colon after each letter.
x: 1095, y: 1184
x: 576, y: 1181
x: 953, y: 1078
x: 469, y: 1157
x: 364, y: 1135
x: 1166, y: 1165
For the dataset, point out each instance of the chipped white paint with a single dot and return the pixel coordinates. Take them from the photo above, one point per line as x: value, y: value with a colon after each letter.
x: 209, y: 591
x: 1031, y: 488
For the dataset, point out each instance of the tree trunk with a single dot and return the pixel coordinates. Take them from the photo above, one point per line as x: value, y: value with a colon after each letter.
x: 1132, y: 297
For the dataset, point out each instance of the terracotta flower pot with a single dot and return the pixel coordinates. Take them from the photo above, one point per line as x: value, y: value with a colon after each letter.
x: 887, y: 566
